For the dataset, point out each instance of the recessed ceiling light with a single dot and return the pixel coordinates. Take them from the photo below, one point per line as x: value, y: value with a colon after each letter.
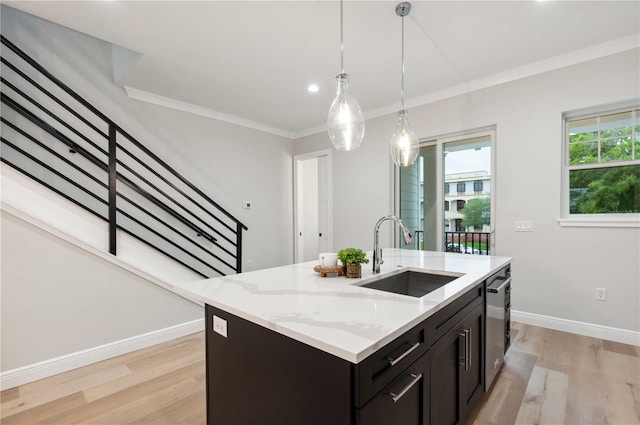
x: 313, y: 88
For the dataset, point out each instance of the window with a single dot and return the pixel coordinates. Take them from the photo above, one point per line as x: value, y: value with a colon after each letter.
x: 477, y: 186
x: 446, y: 188
x: 459, y: 205
x: 461, y: 187
x: 446, y: 205
x: 602, y: 163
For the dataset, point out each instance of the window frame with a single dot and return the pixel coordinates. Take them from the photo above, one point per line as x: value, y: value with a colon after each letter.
x: 594, y: 220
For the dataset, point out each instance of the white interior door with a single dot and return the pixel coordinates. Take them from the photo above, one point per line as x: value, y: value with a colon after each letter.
x: 312, y: 193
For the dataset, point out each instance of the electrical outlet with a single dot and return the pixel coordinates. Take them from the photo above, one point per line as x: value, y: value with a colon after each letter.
x: 601, y: 294
x: 220, y: 326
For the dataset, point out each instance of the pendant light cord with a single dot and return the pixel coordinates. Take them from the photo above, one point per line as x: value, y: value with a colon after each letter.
x: 341, y: 41
x: 402, y: 77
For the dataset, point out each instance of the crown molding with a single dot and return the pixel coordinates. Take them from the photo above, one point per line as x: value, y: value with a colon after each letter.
x: 557, y: 62
x: 168, y: 102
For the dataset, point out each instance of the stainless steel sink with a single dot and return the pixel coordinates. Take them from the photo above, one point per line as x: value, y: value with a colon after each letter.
x: 415, y: 284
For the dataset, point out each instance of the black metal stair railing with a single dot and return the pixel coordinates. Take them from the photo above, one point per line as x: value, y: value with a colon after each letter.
x: 54, y: 136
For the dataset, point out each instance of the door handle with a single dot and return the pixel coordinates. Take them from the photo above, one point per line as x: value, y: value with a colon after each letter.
x: 468, y: 331
x: 395, y: 397
x: 466, y: 360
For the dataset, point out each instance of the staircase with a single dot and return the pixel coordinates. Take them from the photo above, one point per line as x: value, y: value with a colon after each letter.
x: 58, y: 139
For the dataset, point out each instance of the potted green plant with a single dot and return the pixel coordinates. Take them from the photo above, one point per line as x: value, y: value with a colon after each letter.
x: 351, y: 259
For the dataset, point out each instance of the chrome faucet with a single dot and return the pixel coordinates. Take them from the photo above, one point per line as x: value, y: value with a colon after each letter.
x: 377, y: 251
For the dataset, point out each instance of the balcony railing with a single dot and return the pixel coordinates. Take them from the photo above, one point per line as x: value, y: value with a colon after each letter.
x: 468, y: 242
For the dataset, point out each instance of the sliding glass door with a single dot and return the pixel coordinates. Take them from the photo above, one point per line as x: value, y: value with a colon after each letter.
x: 446, y: 197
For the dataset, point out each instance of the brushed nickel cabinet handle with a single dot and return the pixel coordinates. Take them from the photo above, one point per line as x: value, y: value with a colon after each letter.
x: 462, y: 360
x: 466, y: 360
x: 468, y: 355
x: 395, y: 361
x: 395, y: 397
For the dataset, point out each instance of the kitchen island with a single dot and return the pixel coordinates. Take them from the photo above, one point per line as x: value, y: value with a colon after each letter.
x: 287, y: 346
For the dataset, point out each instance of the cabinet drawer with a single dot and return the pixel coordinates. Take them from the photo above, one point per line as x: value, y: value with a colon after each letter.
x: 378, y: 370
x: 444, y: 320
x: 405, y: 401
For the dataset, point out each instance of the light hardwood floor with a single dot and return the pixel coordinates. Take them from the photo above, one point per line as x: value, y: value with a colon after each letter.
x: 550, y: 377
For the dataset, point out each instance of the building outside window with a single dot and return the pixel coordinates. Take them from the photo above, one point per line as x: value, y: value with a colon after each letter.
x: 455, y: 202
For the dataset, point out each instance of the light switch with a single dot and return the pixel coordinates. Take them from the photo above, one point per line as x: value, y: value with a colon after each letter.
x: 524, y: 226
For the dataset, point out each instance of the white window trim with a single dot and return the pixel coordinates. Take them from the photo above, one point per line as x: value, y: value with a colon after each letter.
x: 592, y: 220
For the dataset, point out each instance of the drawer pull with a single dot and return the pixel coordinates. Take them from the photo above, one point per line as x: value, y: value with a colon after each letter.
x: 395, y: 397
x: 465, y: 360
x: 395, y: 361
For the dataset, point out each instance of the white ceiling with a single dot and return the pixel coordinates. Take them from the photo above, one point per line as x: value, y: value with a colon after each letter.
x: 251, y: 62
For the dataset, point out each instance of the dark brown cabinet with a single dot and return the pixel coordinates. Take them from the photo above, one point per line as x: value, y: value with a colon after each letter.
x: 457, y: 374
x: 472, y: 375
x: 432, y: 374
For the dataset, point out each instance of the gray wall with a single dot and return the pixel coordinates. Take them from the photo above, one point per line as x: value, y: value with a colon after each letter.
x: 556, y: 269
x: 57, y: 299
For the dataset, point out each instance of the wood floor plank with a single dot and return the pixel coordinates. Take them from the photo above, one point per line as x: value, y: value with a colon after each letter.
x: 556, y: 350
x: 188, y: 410
x: 136, y: 408
x: 10, y: 394
x: 601, y: 400
x: 154, y: 368
x: 545, y: 399
x: 507, y: 391
x: 49, y: 389
x: 45, y: 411
x: 529, y: 339
x: 140, y: 391
x: 619, y: 348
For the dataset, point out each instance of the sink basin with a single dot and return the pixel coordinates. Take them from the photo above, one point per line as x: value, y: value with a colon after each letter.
x: 415, y: 284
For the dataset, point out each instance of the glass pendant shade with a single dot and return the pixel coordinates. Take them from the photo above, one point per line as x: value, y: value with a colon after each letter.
x: 404, y: 144
x: 345, y: 120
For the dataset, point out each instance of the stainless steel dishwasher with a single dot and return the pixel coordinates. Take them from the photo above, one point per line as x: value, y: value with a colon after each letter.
x: 498, y: 322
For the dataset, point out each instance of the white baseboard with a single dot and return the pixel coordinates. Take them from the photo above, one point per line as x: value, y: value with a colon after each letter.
x: 22, y: 375
x: 608, y: 333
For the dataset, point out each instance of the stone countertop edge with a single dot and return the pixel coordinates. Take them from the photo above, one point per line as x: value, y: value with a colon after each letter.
x: 335, y: 314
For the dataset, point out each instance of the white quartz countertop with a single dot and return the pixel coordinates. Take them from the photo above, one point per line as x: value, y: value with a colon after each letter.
x: 333, y: 313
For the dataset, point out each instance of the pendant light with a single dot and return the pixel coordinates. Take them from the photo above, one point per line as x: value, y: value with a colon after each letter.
x: 345, y: 120
x: 404, y: 145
